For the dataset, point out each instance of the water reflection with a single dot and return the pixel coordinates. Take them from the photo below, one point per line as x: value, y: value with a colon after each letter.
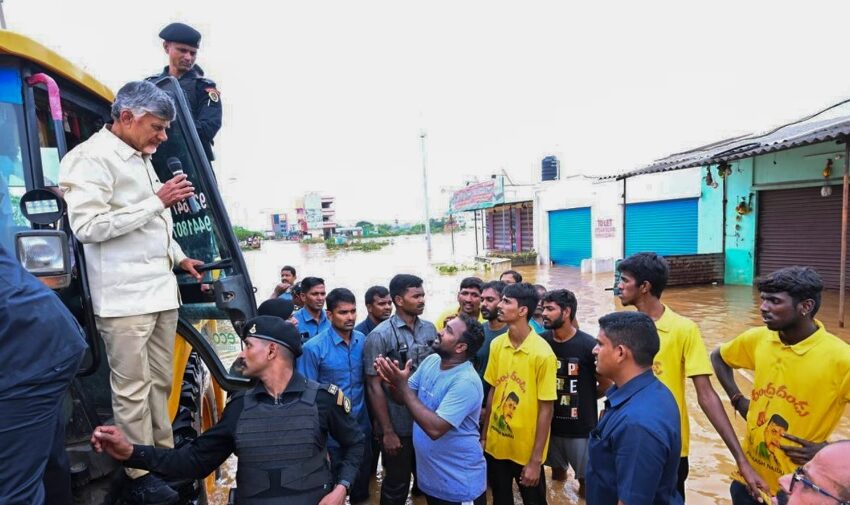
x: 722, y: 312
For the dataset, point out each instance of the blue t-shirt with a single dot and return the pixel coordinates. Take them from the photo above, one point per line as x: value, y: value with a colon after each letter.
x: 451, y: 468
x: 537, y: 327
x: 286, y: 295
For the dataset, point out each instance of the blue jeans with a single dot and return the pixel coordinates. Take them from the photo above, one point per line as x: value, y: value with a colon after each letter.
x: 35, y: 468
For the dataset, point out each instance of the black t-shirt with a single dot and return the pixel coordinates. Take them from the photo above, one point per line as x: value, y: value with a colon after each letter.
x: 575, y: 407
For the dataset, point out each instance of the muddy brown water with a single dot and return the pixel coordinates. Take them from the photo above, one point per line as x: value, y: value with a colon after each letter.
x: 722, y: 312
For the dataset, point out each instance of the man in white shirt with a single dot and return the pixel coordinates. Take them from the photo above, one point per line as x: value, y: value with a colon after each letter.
x: 120, y: 211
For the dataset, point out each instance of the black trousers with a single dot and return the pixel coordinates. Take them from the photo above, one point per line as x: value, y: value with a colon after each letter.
x: 35, y: 467
x: 684, y: 470
x: 397, y: 470
x: 502, y: 473
x: 481, y: 500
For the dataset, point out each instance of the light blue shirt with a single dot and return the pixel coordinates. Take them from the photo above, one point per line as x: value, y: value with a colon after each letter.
x: 327, y: 359
x: 286, y: 295
x: 537, y: 327
x: 309, y: 326
x: 451, y: 468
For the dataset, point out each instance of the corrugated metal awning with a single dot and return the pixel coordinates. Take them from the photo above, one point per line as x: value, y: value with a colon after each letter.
x: 746, y: 146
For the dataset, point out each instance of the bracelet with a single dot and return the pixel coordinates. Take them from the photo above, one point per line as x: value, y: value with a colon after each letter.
x: 735, y: 398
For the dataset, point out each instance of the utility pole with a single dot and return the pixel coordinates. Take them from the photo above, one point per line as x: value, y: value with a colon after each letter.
x: 422, y: 136
x: 2, y: 16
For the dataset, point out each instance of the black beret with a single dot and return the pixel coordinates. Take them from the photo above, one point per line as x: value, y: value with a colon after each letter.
x: 183, y: 34
x: 278, y: 307
x: 274, y: 329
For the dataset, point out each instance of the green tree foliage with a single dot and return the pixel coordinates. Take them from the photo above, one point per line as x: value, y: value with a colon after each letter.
x: 242, y: 234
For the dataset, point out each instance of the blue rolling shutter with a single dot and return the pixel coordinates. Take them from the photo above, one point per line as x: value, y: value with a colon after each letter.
x: 569, y: 236
x: 666, y: 228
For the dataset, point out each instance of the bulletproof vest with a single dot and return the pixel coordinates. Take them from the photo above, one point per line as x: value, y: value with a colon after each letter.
x: 281, y: 450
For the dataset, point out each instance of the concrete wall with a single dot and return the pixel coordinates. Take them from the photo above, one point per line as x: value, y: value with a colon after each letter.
x: 605, y: 198
x: 740, y: 229
x: 710, y: 215
x: 663, y: 186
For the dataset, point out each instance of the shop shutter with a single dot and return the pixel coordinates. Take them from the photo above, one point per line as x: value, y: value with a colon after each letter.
x: 527, y: 219
x: 569, y: 236
x: 800, y: 227
x: 668, y: 227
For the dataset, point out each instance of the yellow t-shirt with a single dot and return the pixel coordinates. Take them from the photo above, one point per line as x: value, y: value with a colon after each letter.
x: 682, y: 355
x: 800, y: 389
x: 440, y: 323
x: 520, y: 377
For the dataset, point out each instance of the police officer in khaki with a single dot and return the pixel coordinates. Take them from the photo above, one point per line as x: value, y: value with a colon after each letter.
x: 278, y: 430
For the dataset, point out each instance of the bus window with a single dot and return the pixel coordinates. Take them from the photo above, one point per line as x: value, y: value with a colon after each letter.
x: 80, y: 124
x: 12, y: 182
x: 195, y: 228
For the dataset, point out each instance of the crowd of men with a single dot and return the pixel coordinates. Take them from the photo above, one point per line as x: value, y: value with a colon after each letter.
x: 540, y: 406
x: 478, y: 399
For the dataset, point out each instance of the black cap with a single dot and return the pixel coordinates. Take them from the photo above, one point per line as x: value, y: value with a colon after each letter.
x: 183, y: 34
x: 277, y: 307
x: 274, y: 329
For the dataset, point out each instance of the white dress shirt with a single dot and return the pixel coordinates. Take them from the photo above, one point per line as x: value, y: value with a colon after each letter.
x: 110, y: 189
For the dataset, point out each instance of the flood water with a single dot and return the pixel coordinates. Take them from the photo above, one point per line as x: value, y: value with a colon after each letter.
x: 722, y: 312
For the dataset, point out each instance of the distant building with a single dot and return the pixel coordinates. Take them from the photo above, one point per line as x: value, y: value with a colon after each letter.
x: 315, y: 215
x: 328, y: 216
x: 351, y: 231
x: 280, y: 225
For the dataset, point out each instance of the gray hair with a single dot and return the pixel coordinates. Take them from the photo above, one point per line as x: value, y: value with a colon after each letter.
x: 143, y: 97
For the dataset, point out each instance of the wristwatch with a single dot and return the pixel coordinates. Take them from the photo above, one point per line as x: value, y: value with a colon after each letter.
x: 346, y: 485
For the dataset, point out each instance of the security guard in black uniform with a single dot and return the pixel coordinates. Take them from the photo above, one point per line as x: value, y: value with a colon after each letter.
x: 278, y: 430
x: 181, y: 45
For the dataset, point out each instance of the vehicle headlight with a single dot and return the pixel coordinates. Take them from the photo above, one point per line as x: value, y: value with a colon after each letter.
x: 44, y: 253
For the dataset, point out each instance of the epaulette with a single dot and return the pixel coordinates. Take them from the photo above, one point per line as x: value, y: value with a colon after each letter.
x: 341, y: 399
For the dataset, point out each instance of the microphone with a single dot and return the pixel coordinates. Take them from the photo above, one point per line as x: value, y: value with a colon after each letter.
x: 176, y: 168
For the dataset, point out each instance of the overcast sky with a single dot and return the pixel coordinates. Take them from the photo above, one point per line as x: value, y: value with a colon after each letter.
x: 331, y: 96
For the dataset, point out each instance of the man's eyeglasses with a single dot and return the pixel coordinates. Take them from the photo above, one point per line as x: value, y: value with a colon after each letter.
x: 800, y: 476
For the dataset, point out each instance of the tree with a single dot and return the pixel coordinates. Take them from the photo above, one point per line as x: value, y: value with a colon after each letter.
x: 242, y: 234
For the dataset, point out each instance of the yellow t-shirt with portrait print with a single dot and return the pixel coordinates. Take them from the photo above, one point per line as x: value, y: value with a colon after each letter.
x: 520, y: 377
x: 799, y: 389
x: 682, y: 355
x: 452, y: 312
